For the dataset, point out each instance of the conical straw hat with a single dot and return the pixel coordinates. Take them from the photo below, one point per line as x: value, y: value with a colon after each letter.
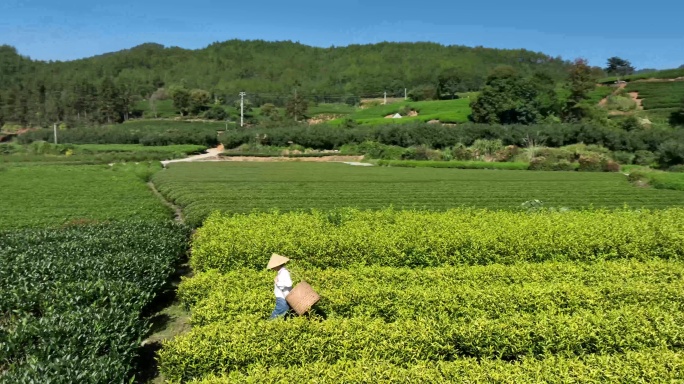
x: 276, y: 260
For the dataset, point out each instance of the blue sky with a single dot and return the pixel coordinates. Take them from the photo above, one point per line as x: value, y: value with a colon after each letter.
x: 648, y: 33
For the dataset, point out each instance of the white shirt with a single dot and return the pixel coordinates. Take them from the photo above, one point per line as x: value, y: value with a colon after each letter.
x: 283, y: 283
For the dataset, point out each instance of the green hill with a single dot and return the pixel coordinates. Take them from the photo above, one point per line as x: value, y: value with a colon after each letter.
x: 106, y: 88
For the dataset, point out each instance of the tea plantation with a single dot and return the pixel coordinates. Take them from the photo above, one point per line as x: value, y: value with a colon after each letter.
x: 465, y: 295
x: 243, y: 187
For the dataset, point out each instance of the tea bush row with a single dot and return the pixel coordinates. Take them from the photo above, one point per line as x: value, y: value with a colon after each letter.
x: 240, y: 344
x: 455, y: 292
x: 41, y: 195
x: 422, y: 238
x: 658, y: 95
x: 649, y: 366
x: 244, y: 187
x: 71, y: 299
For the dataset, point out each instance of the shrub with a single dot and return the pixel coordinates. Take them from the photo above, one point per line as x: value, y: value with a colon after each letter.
x: 623, y: 157
x: 670, y: 153
x: 482, y: 147
x: 540, y: 163
x: 645, y: 158
x: 590, y: 163
x: 461, y: 152
x: 563, y: 165
x: 556, y: 154
x: 421, y: 152
x: 508, y: 153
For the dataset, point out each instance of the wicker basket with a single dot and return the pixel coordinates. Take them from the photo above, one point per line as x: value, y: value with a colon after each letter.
x: 302, y: 298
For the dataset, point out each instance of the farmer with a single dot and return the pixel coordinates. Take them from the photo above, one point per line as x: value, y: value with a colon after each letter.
x: 282, y: 284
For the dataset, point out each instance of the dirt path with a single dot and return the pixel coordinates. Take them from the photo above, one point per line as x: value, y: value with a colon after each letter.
x: 639, y: 102
x: 604, y: 101
x: 167, y: 316
x: 212, y: 154
x: 177, y: 211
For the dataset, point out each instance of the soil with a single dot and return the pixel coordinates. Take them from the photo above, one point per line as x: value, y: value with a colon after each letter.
x: 639, y: 102
x: 212, y: 154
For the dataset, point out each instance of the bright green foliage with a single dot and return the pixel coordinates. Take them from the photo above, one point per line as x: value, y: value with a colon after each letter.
x: 54, y: 195
x: 243, y: 187
x: 649, y: 366
x: 420, y: 238
x: 446, y: 111
x: 330, y: 109
x: 460, y: 292
x: 598, y: 93
x: 659, y: 95
x: 221, y: 348
x: 71, y: 299
x: 659, y: 179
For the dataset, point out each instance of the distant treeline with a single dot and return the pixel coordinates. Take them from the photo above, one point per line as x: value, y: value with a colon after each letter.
x: 103, y: 89
x: 442, y: 136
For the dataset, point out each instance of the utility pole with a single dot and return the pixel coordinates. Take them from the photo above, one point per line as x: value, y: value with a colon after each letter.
x: 242, y: 108
x: 55, y: 129
x: 385, y: 103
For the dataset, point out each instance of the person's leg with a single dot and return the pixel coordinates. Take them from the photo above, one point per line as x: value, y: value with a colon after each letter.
x: 281, y: 308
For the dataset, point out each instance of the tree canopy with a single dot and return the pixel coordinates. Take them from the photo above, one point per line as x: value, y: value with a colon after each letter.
x: 619, y: 67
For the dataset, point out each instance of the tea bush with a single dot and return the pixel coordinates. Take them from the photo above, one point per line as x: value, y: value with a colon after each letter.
x: 422, y: 238
x: 648, y: 366
x: 71, y: 299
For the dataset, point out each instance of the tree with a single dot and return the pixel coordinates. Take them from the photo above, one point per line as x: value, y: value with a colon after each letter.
x: 508, y: 98
x: 109, y: 102
x: 296, y: 107
x: 423, y: 92
x: 270, y: 112
x: 449, y: 83
x: 159, y: 94
x: 181, y: 100
x: 199, y: 99
x: 580, y: 83
x: 619, y: 67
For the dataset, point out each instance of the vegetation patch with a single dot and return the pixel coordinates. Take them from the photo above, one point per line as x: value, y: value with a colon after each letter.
x: 54, y: 195
x: 201, y: 188
x: 145, y: 132
x: 73, y: 298
x: 453, y: 164
x: 659, y: 95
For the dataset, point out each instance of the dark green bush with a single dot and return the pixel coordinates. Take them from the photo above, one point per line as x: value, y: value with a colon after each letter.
x: 644, y: 158
x: 670, y: 153
x: 623, y: 157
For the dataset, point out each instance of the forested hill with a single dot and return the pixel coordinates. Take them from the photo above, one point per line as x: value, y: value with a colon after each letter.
x: 103, y: 89
x: 276, y: 67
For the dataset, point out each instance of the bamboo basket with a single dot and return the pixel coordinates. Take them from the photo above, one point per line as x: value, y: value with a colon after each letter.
x: 302, y: 297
